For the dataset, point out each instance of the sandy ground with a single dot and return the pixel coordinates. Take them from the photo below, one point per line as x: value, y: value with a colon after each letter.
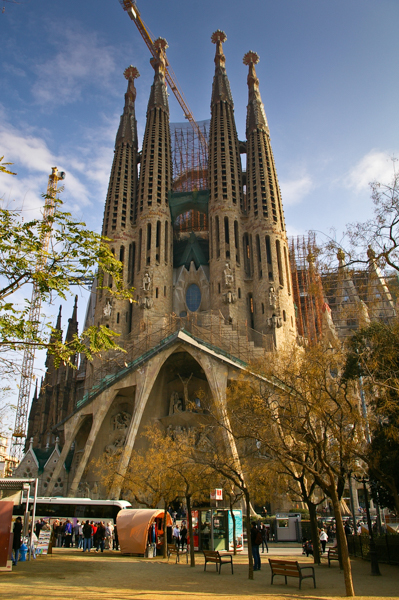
x: 70, y: 574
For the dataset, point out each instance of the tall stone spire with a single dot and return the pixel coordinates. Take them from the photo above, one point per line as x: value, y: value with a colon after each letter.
x: 127, y: 132
x: 152, y: 246
x: 72, y: 322
x: 273, y: 306
x: 121, y: 197
x: 120, y: 210
x: 225, y: 188
x: 263, y: 192
x: 221, y: 91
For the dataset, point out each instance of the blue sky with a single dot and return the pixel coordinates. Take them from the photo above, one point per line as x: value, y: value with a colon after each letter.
x: 328, y: 79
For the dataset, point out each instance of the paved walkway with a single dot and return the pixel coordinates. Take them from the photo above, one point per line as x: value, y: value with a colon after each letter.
x: 72, y: 574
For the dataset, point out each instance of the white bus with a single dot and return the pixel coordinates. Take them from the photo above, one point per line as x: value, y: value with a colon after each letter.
x: 74, y: 508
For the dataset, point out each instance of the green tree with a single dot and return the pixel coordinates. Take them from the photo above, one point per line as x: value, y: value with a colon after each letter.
x: 374, y: 357
x: 301, y: 410
x: 75, y: 254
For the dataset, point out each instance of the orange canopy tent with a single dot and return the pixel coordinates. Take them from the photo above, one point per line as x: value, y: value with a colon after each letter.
x: 133, y: 525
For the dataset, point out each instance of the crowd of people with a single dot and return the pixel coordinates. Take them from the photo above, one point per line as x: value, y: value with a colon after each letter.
x: 85, y: 535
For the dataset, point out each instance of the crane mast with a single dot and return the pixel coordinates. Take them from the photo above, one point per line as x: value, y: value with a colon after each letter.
x: 21, y: 418
x: 131, y: 8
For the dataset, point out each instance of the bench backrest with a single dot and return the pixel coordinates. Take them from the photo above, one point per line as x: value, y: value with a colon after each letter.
x: 281, y: 567
x: 211, y: 553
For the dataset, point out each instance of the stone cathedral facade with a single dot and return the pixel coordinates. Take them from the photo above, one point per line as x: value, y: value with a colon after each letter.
x: 212, y: 280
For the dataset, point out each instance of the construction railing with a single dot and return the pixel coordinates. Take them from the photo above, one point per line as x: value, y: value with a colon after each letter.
x: 238, y: 343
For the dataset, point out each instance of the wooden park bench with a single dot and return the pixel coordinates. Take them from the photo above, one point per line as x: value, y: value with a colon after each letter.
x: 332, y: 555
x: 213, y: 556
x: 290, y: 568
x: 172, y: 549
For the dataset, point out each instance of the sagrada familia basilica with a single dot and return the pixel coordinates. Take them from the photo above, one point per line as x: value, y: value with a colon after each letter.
x: 217, y: 285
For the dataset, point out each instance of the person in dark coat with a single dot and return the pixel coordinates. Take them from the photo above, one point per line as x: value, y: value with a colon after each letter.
x: 183, y: 536
x: 16, y: 543
x: 87, y: 531
x: 100, y: 535
x: 256, y: 540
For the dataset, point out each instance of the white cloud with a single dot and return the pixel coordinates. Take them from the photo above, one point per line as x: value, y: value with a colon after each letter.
x: 374, y: 166
x: 83, y: 62
x: 294, y: 190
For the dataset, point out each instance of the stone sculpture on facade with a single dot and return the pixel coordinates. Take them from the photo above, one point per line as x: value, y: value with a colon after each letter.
x: 107, y: 309
x: 272, y: 297
x: 228, y: 276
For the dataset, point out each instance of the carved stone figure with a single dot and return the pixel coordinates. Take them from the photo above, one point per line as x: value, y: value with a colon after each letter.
x: 228, y: 276
x: 146, y: 282
x: 107, y: 309
x: 275, y: 322
x: 175, y: 404
x: 185, y: 388
x: 121, y: 420
x: 272, y: 297
x: 230, y: 297
x: 146, y: 302
x: 113, y: 448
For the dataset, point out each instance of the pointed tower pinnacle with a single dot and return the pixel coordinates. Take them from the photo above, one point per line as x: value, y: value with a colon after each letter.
x: 263, y: 190
x: 221, y: 91
x: 121, y: 197
x: 153, y: 266
x: 73, y: 322
x: 58, y: 325
x: 256, y: 117
x: 159, y: 97
x: 127, y: 131
x: 225, y: 193
x: 271, y: 266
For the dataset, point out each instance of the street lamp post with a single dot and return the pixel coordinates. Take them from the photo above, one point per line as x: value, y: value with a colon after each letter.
x: 375, y: 569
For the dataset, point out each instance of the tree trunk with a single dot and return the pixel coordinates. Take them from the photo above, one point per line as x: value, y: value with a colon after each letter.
x: 342, y: 544
x: 190, y: 531
x: 248, y: 526
x: 314, y: 532
x: 234, y: 528
x: 165, y: 537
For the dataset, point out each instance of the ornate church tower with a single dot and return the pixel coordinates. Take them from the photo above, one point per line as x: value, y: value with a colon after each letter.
x: 151, y: 252
x: 271, y: 298
x: 119, y: 212
x: 226, y: 197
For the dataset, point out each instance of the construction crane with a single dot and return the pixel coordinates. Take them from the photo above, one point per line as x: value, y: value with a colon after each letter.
x: 21, y: 418
x: 131, y: 8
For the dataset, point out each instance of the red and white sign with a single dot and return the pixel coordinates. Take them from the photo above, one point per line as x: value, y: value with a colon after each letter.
x: 217, y: 494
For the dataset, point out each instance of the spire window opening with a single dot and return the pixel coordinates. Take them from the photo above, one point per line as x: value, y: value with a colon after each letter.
x: 247, y: 254
x: 279, y: 264
x: 139, y: 251
x: 236, y: 242
x: 269, y: 257
x: 166, y: 241
x: 158, y: 241
x: 217, y: 234
x: 287, y: 270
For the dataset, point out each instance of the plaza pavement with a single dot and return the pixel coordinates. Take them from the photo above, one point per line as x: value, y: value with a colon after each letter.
x: 72, y: 574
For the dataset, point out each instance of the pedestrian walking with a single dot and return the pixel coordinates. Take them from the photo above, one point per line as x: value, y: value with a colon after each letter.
x: 100, y: 534
x: 176, y: 536
x: 264, y: 539
x: 68, y: 533
x: 323, y: 540
x: 256, y: 540
x: 16, y: 543
x: 87, y: 533
x: 183, y: 536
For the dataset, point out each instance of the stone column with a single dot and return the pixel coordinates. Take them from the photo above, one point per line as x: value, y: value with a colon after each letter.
x: 146, y: 377
x: 107, y: 398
